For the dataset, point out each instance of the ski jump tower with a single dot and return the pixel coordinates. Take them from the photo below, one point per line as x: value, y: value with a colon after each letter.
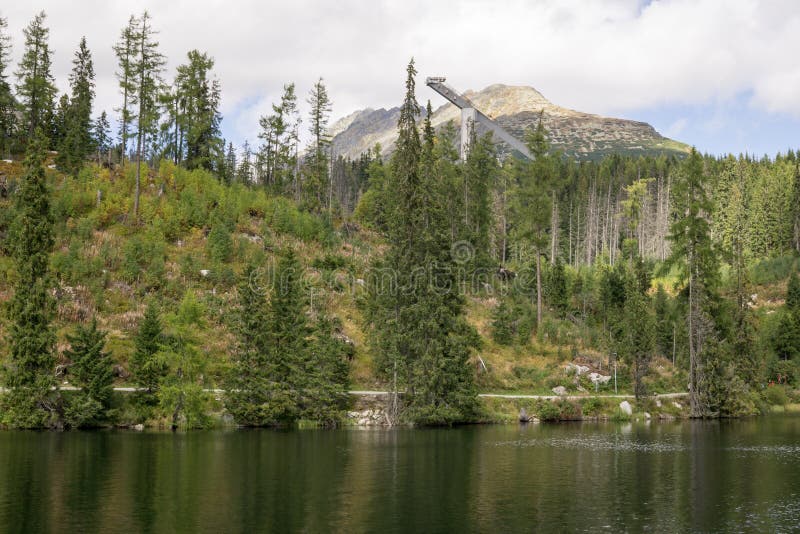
x: 470, y: 116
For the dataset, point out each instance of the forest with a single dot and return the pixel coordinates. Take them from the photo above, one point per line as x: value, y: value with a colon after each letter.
x: 257, y: 285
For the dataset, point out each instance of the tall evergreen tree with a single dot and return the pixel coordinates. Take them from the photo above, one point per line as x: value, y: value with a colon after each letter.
x: 280, y: 133
x: 8, y: 103
x: 29, y: 371
x: 102, y: 137
x: 125, y: 50
x: 268, y: 381
x: 77, y: 142
x: 146, y: 65
x: 147, y: 366
x: 481, y: 170
x: 36, y: 88
x: 317, y: 191
x: 91, y: 371
x: 199, y: 119
x: 534, y: 202
x: 230, y: 164
x: 693, y: 252
x: 796, y: 207
x: 417, y: 326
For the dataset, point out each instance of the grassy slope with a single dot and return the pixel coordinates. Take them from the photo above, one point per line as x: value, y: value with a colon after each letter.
x: 100, y: 272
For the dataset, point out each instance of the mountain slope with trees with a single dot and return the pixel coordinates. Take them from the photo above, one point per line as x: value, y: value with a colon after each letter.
x: 161, y: 258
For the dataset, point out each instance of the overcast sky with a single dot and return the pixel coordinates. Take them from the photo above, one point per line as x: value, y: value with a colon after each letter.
x: 723, y: 75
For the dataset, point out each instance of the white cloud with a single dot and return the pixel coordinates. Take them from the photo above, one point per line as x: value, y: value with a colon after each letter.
x: 604, y: 57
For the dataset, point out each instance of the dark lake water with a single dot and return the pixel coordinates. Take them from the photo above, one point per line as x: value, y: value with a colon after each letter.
x: 730, y: 476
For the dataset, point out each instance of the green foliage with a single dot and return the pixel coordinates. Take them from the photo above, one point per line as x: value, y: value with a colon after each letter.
x: 36, y: 88
x: 76, y: 143
x: 91, y: 371
x: 220, y: 244
x: 418, y: 334
x: 147, y: 364
x: 503, y: 323
x: 31, y: 360
x: 776, y: 396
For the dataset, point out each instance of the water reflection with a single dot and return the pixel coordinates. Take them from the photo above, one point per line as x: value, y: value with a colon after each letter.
x: 700, y: 476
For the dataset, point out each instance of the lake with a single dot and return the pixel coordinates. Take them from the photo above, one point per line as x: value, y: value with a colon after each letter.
x: 729, y: 476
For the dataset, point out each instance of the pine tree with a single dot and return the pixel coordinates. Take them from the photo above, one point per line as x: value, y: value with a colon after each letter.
x: 326, y: 377
x: 534, y: 202
x: 481, y: 170
x: 8, y: 103
x: 230, y: 165
x: 126, y: 50
x: 146, y: 66
x: 91, y: 371
x: 91, y: 365
x: 77, y: 142
x: 503, y: 323
x: 199, y: 119
x: 793, y: 294
x: 637, y: 334
x: 36, y: 88
x: 693, y: 252
x: 31, y: 360
x: 58, y: 121
x: 280, y: 132
x: 244, y: 172
x: 317, y: 187
x: 417, y: 326
x: 795, y: 206
x: 269, y: 380
x: 147, y: 366
x: 102, y: 137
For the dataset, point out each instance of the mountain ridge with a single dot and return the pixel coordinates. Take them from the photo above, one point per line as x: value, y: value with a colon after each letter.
x: 577, y: 134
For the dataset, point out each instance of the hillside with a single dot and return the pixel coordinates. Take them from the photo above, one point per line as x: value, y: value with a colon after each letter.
x: 577, y: 134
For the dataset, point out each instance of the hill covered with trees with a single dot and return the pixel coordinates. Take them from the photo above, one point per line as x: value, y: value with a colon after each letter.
x: 264, y: 282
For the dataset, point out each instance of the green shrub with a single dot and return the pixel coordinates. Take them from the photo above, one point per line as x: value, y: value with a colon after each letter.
x: 592, y: 406
x: 548, y: 412
x: 220, y: 244
x: 776, y: 396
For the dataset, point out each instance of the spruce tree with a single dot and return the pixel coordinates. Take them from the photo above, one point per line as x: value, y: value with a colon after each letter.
x: 796, y: 208
x: 637, y: 336
x: 417, y: 326
x: 481, y: 171
x: 694, y: 253
x: 326, y: 377
x: 230, y: 165
x: 125, y: 50
x: 146, y: 65
x: 77, y: 142
x: 58, y: 121
x: 36, y: 88
x: 8, y: 103
x: 31, y: 361
x: 269, y: 384
x: 317, y: 191
x: 102, y: 137
x: 199, y: 119
x: 533, y: 203
x: 249, y: 391
x: 91, y: 371
x: 147, y: 366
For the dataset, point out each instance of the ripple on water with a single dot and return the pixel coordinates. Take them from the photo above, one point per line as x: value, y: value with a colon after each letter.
x: 598, y: 443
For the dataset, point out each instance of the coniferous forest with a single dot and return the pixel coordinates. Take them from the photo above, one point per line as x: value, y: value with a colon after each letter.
x: 257, y: 285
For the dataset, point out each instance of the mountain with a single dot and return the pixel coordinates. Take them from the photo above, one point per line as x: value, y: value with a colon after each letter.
x: 515, y: 108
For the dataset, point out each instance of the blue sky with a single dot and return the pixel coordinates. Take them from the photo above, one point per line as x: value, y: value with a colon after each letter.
x: 723, y: 75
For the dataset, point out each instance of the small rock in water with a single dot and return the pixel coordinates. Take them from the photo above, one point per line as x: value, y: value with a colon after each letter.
x: 646, y: 415
x: 626, y: 407
x: 523, y: 416
x: 560, y: 390
x: 658, y: 403
x: 138, y: 427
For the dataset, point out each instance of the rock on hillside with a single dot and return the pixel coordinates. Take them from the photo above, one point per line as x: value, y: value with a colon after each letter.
x: 577, y: 134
